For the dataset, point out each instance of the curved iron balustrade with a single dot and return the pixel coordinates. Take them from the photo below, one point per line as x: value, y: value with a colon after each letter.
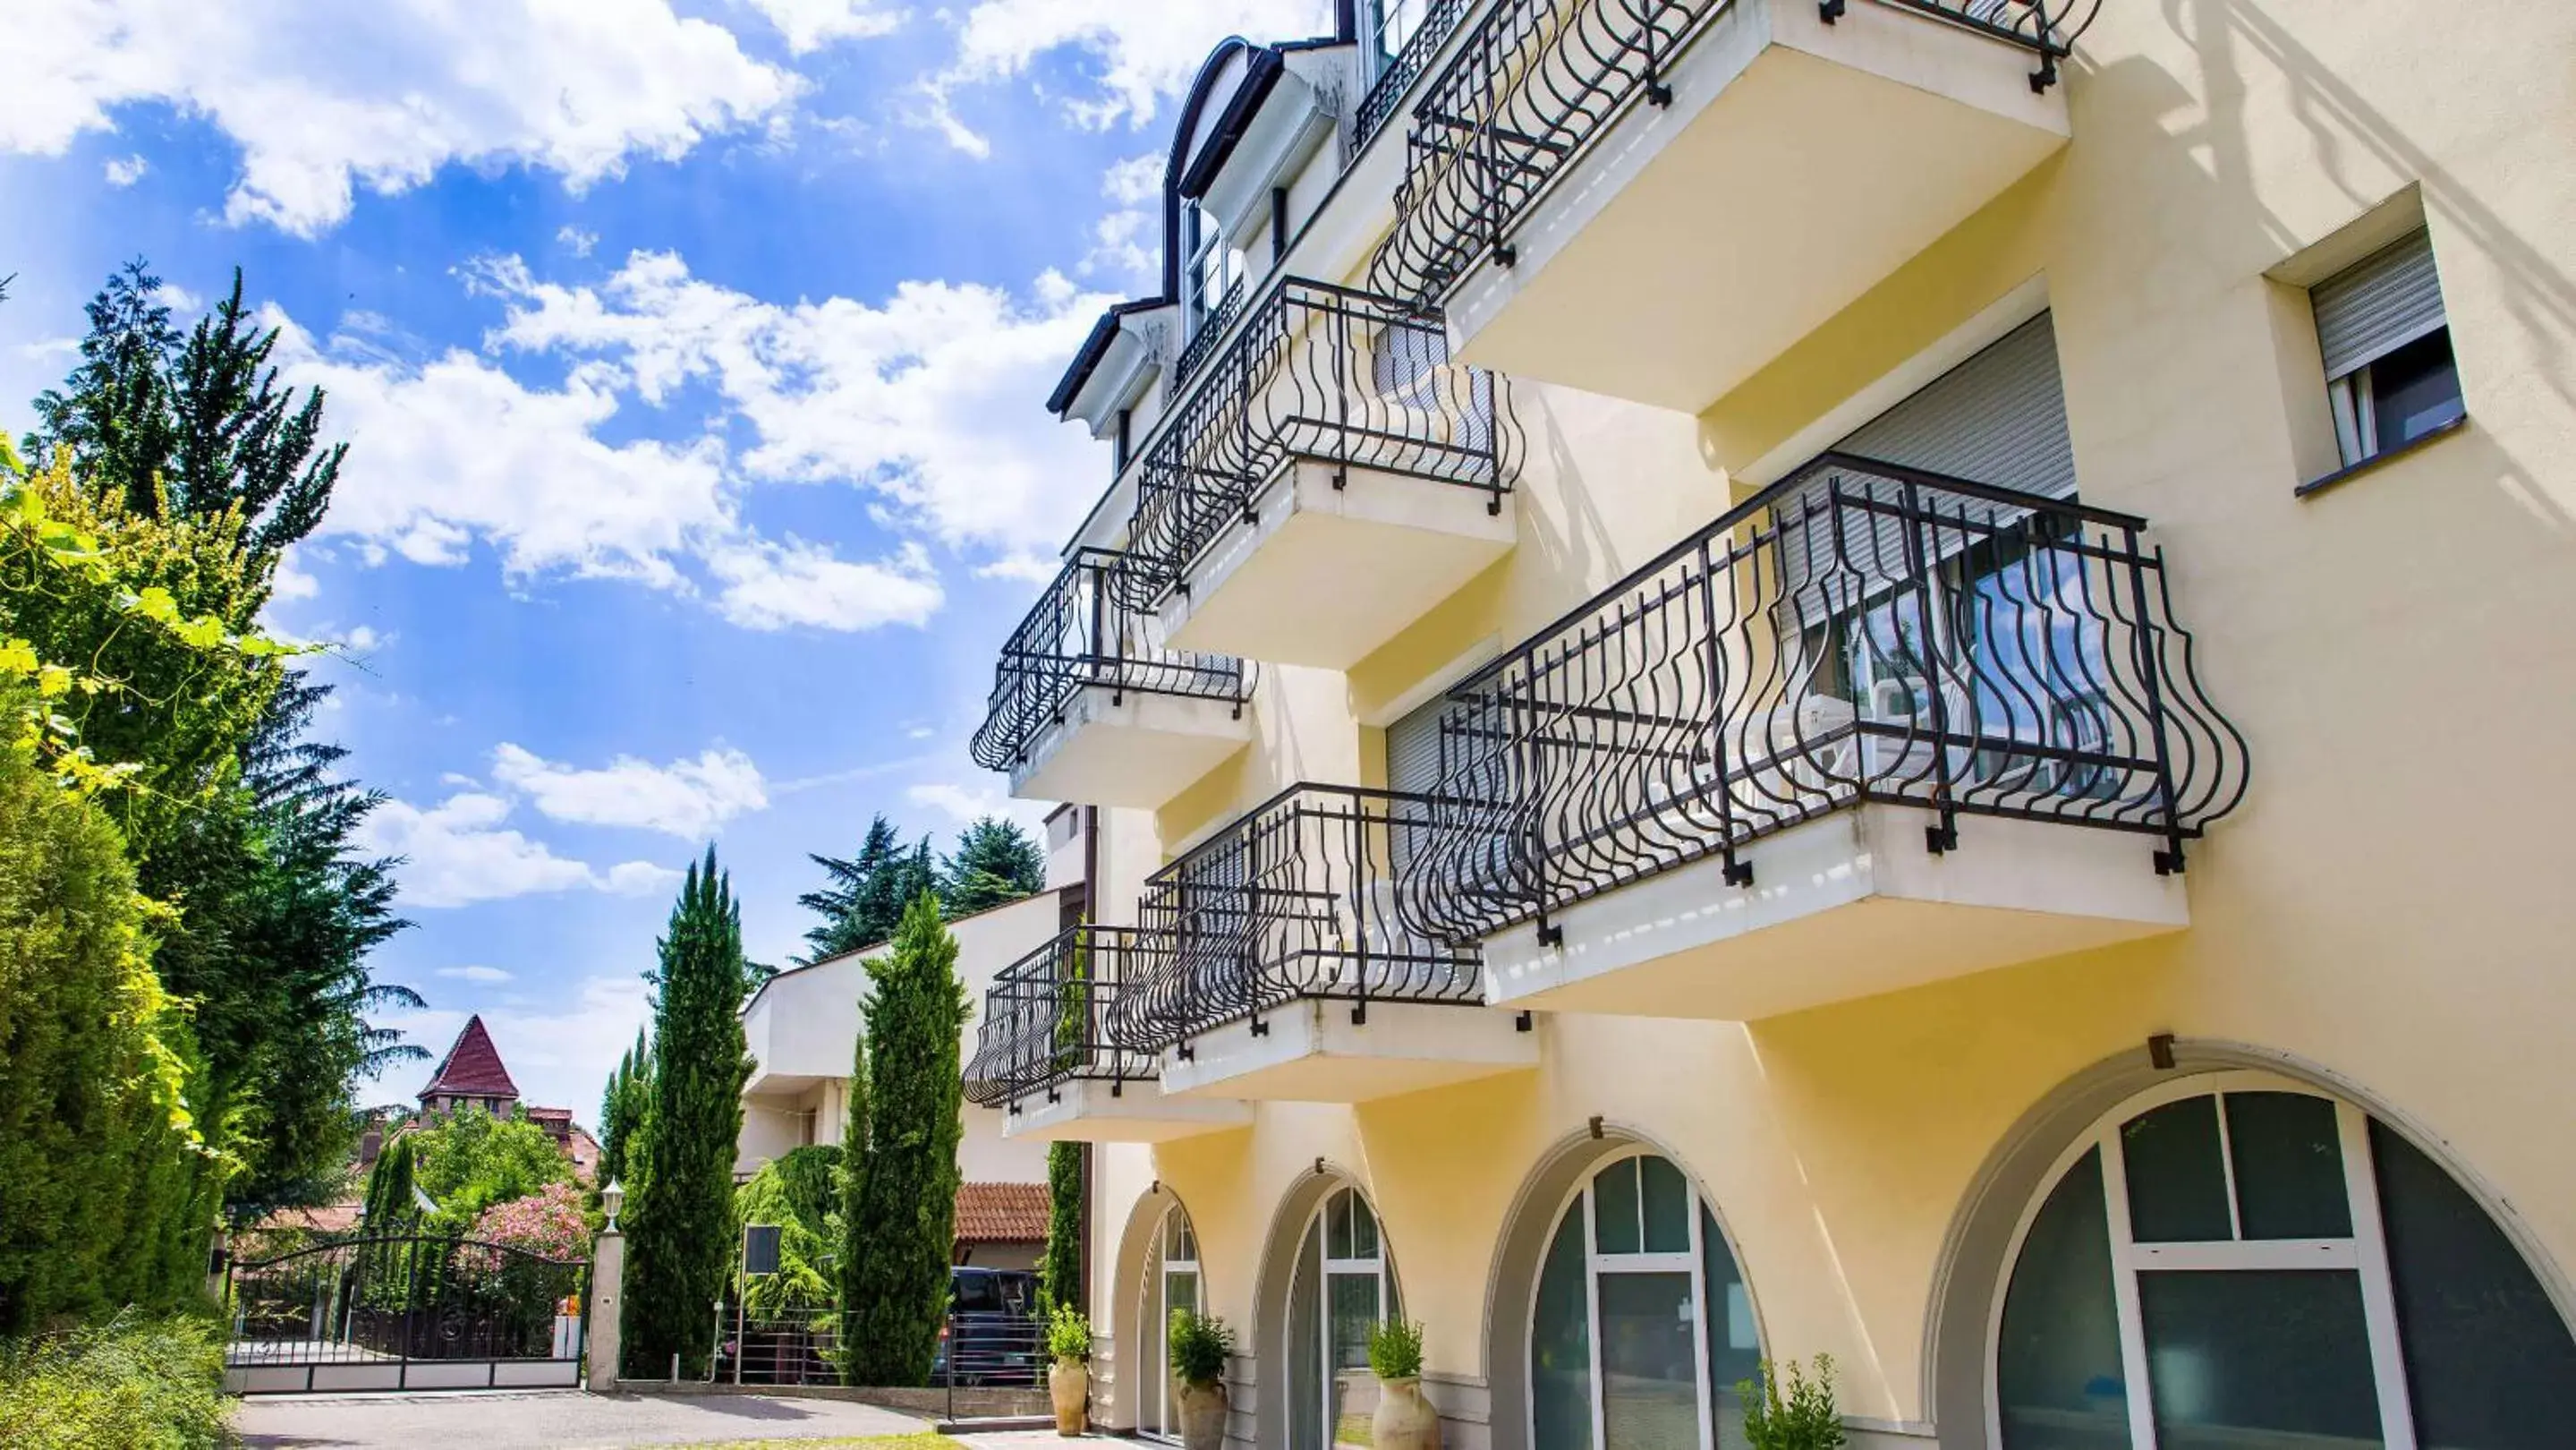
x: 1857, y: 632
x: 1293, y: 900
x: 1387, y: 92
x: 1321, y: 372
x: 1211, y: 331
x: 1081, y: 634
x: 1537, y: 81
x: 1058, y: 1014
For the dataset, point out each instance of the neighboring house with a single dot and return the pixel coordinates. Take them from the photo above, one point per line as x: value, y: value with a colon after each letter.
x: 803, y: 1024
x: 1632, y: 666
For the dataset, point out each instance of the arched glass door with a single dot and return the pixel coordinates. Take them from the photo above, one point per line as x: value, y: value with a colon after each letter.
x: 1172, y: 1283
x: 2239, y: 1260
x: 1641, y: 1325
x: 1344, y: 1286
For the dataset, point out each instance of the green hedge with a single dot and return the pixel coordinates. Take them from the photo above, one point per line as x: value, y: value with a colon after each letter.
x: 148, y: 1384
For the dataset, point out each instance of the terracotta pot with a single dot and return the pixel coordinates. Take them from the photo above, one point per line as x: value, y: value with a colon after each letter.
x: 1203, y: 1417
x: 1404, y: 1419
x: 1069, y: 1386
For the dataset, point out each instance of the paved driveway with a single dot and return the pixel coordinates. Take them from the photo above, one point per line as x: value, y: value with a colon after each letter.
x: 546, y: 1419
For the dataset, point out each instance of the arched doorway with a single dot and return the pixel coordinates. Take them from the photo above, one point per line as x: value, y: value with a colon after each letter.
x: 1173, y: 1281
x: 2241, y: 1259
x: 1342, y: 1287
x: 1639, y: 1323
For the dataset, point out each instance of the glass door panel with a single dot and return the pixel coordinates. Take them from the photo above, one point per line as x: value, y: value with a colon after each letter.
x: 2255, y: 1359
x: 1649, y: 1362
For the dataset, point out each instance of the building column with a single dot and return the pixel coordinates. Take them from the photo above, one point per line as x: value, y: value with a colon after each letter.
x: 607, y: 1296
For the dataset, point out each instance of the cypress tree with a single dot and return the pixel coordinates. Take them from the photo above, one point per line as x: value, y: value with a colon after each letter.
x: 1060, y: 1272
x: 391, y: 1202
x: 850, y: 1275
x: 903, y: 1232
x: 681, y: 1242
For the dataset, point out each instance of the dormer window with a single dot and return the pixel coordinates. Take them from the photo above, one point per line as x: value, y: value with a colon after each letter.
x: 1211, y: 268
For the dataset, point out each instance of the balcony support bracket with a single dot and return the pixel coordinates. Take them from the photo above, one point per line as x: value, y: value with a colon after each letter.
x: 1549, y: 933
x: 1359, y: 1014
x: 1942, y: 839
x: 1829, y: 11
x: 1507, y: 254
x: 1522, y: 1022
x: 1738, y: 872
x: 2169, y: 860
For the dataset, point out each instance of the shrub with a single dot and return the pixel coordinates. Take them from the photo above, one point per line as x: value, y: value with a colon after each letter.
x: 139, y: 1384
x: 1395, y: 1350
x: 1201, y: 1346
x: 549, y: 1224
x: 1805, y: 1420
x: 1068, y: 1333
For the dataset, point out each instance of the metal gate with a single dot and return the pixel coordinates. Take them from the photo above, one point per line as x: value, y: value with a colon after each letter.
x: 403, y: 1312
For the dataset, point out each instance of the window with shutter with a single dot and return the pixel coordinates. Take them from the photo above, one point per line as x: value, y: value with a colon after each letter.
x: 2386, y: 343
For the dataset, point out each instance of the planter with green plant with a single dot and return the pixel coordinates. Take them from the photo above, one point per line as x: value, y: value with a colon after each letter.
x: 1068, y: 1340
x: 1802, y: 1419
x: 1201, y: 1348
x: 1404, y: 1419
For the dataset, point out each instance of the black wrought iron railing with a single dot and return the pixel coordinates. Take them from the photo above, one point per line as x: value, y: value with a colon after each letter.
x: 1059, y: 1014
x: 1210, y: 331
x: 1388, y: 90
x: 1536, y: 82
x: 1314, y: 371
x: 1294, y: 900
x: 1086, y: 633
x: 1857, y: 632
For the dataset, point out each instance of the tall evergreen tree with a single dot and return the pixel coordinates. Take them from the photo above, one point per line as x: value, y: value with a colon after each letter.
x: 621, y: 1111
x: 115, y: 411
x: 851, y: 1272
x: 864, y: 896
x: 996, y: 862
x: 903, y: 1232
x: 680, y: 1239
x: 1060, y: 1271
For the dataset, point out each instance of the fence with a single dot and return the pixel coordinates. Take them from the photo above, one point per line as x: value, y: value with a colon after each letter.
x: 402, y: 1311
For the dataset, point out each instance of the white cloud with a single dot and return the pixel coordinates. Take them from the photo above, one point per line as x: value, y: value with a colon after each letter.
x: 928, y: 399
x: 483, y: 975
x: 323, y: 96
x: 1144, y: 49
x: 292, y: 581
x: 559, y: 1057
x: 1134, y: 181
x: 575, y: 240
x: 686, y: 798
x: 809, y: 25
x: 777, y: 586
x: 460, y: 851
x: 124, y: 171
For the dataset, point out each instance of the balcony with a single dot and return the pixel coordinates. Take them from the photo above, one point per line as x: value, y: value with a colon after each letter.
x: 1052, y: 1055
x: 1274, y: 966
x: 1089, y: 706
x: 1873, y: 728
x: 1330, y: 476
x: 1653, y: 198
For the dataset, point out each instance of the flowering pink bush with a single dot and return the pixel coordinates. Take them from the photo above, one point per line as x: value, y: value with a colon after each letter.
x: 548, y: 1222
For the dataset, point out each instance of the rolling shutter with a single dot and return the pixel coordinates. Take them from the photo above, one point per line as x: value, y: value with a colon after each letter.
x: 2378, y: 305
x: 1413, y: 749
x: 1999, y: 418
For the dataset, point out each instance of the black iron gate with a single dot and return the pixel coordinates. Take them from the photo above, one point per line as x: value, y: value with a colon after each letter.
x: 403, y: 1312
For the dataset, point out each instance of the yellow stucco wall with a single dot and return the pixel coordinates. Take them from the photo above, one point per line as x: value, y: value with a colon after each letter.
x: 2392, y: 904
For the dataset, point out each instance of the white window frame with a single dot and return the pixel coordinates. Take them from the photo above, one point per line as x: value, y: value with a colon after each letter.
x: 1376, y: 18
x: 1317, y: 1235
x: 1201, y: 239
x: 1694, y: 1262
x: 2366, y: 1252
x: 1157, y: 1293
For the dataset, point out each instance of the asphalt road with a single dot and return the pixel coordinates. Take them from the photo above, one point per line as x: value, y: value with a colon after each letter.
x: 547, y: 1420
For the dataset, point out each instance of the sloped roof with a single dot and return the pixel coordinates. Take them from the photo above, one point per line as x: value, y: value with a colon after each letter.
x: 472, y: 1068
x: 1001, y: 1213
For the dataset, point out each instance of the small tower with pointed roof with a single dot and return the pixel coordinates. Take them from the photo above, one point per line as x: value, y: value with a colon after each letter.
x: 471, y: 1074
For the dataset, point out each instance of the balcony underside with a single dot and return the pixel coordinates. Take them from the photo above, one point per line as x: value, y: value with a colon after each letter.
x: 1844, y: 907
x: 1799, y: 165
x: 1311, y: 1052
x: 1090, y: 1110
x: 1325, y: 574
x: 1129, y: 749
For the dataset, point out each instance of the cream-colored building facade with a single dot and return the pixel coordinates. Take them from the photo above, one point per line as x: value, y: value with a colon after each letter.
x: 1874, y: 678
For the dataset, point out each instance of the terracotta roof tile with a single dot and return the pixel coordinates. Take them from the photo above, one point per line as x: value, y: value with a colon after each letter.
x: 472, y: 1068
x: 1001, y: 1213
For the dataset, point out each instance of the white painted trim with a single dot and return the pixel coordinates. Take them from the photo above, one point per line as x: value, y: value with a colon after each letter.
x: 1965, y: 341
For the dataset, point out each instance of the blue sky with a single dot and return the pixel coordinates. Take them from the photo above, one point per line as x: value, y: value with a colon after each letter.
x: 692, y: 355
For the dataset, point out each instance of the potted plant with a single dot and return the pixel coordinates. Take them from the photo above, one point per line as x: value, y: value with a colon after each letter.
x: 1404, y: 1419
x: 1803, y: 1419
x: 1068, y: 1339
x: 1201, y: 1348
